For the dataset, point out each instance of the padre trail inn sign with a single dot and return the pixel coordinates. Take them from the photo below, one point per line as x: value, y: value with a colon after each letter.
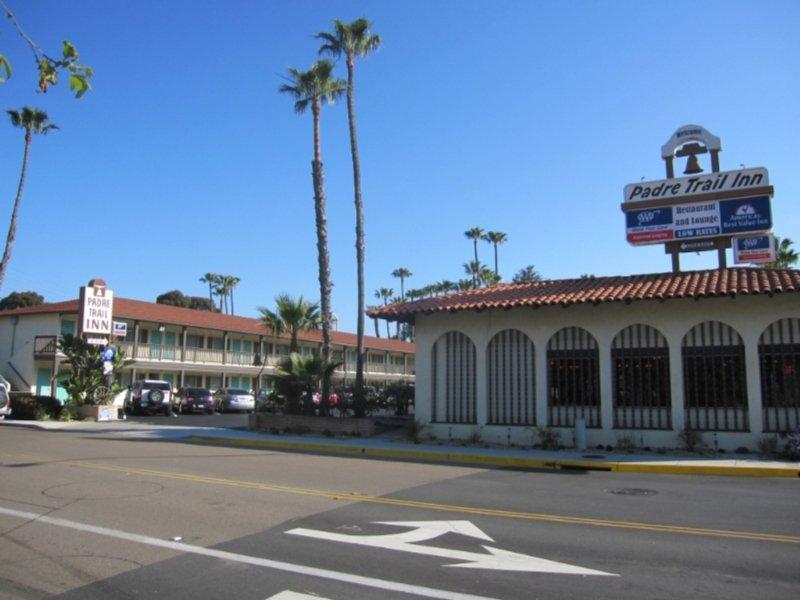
x: 96, y: 307
x: 700, y: 211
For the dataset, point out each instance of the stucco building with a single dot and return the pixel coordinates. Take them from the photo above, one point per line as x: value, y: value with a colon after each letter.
x: 645, y: 356
x: 183, y: 346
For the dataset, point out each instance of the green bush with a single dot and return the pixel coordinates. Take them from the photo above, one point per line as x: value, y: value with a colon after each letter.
x: 626, y: 442
x: 691, y: 439
x: 549, y: 439
x: 27, y: 407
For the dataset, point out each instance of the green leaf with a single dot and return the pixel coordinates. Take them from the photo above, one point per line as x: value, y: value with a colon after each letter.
x: 68, y: 51
x: 5, y: 66
x: 79, y: 85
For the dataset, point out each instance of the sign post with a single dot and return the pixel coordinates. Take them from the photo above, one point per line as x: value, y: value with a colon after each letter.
x: 701, y: 211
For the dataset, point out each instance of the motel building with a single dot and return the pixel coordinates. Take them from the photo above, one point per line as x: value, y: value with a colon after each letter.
x: 717, y: 351
x: 186, y: 347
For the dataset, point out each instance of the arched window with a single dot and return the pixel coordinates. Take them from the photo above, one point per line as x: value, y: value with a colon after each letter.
x: 573, y: 378
x: 640, y: 366
x: 714, y: 382
x: 510, y: 367
x: 453, y: 367
x: 779, y: 355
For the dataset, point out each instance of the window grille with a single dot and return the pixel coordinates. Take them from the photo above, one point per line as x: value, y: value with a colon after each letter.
x: 573, y: 378
x: 715, y: 386
x: 510, y: 368
x: 779, y: 358
x: 640, y: 369
x: 453, y: 366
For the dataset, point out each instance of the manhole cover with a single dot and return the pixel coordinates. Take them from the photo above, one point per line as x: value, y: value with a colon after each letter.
x: 632, y: 492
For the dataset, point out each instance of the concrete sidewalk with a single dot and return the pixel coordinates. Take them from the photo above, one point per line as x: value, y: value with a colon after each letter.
x: 385, y: 447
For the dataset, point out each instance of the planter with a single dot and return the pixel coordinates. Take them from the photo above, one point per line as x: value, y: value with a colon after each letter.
x: 300, y: 424
x: 100, y: 412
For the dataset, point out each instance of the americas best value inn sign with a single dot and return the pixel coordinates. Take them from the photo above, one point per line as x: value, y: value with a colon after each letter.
x: 701, y: 206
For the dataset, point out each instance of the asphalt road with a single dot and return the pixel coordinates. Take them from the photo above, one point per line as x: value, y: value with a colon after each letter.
x: 136, y: 519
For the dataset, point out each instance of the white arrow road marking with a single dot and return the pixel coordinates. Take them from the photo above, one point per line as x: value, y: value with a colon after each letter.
x: 496, y: 559
x: 289, y: 595
x: 382, y: 584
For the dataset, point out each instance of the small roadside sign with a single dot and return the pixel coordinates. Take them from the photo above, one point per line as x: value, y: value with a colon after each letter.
x: 754, y: 249
x: 120, y: 329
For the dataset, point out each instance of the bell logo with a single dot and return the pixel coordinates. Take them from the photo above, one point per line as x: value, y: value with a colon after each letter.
x: 745, y: 209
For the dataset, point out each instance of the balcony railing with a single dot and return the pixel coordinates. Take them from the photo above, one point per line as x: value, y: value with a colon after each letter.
x: 45, y: 346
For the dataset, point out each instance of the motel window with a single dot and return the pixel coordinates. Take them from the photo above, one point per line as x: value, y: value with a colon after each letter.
x: 282, y: 350
x: 194, y: 341
x: 454, y: 379
x: 573, y: 378
x: 144, y: 336
x: 215, y: 343
x: 67, y: 327
x: 510, y: 370
x: 640, y: 369
x: 779, y: 355
x: 377, y: 359
x: 397, y: 360
x: 715, y: 386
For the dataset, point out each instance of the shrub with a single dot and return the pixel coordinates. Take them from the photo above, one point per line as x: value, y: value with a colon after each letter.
x: 413, y: 431
x: 549, y: 439
x: 27, y: 407
x: 626, y: 442
x: 792, y: 448
x: 768, y: 445
x: 691, y: 439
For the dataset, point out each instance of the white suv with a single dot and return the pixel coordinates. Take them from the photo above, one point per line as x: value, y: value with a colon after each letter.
x: 149, y: 396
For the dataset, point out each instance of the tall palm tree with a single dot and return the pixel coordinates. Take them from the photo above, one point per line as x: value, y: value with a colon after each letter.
x: 527, y: 274
x: 351, y: 40
x: 785, y: 256
x: 233, y: 281
x: 310, y: 88
x: 290, y: 316
x: 402, y: 274
x: 384, y: 294
x: 375, y: 322
x: 475, y: 234
x: 495, y: 238
x: 34, y: 122
x: 211, y: 279
x: 474, y: 269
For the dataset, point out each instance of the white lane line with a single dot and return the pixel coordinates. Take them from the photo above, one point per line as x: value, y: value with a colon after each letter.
x: 393, y: 586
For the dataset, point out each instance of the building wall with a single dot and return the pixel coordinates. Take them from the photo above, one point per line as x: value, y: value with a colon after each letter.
x: 17, y: 336
x: 748, y: 315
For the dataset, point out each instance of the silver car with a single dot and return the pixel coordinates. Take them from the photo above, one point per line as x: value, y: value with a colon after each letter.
x: 5, y: 401
x: 235, y: 399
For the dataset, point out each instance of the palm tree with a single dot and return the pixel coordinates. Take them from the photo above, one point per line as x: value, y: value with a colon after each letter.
x: 375, y: 322
x: 474, y: 269
x: 311, y: 88
x: 402, y: 273
x: 526, y: 275
x: 385, y: 294
x: 351, y: 40
x: 474, y: 234
x: 34, y: 122
x: 447, y: 286
x: 464, y: 284
x: 211, y: 279
x: 297, y: 378
x: 785, y: 256
x: 488, y: 277
x: 495, y: 238
x: 232, y: 283
x: 290, y: 316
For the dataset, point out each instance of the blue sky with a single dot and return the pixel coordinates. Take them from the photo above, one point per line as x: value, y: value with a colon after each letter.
x: 523, y: 117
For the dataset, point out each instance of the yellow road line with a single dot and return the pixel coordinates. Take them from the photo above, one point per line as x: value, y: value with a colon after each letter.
x: 358, y: 497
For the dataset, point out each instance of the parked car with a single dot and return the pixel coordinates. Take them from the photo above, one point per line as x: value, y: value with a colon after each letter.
x: 5, y: 399
x: 235, y: 399
x: 149, y: 396
x: 195, y: 399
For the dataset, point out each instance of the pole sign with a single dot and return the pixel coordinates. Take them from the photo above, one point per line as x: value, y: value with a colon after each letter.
x: 96, y: 309
x: 120, y: 329
x: 698, y: 220
x: 754, y: 249
x: 665, y: 191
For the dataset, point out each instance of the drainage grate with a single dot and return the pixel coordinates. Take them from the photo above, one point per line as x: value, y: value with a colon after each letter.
x: 632, y: 492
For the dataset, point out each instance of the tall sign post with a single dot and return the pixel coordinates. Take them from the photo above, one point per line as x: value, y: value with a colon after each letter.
x: 95, y: 316
x: 700, y: 211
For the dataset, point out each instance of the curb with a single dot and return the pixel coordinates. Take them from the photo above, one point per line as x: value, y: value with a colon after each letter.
x: 502, y: 461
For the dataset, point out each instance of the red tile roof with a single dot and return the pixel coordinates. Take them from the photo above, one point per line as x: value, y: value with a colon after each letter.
x: 625, y: 288
x: 125, y: 308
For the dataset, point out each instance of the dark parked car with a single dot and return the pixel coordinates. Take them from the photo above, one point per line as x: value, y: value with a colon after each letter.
x: 195, y: 399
